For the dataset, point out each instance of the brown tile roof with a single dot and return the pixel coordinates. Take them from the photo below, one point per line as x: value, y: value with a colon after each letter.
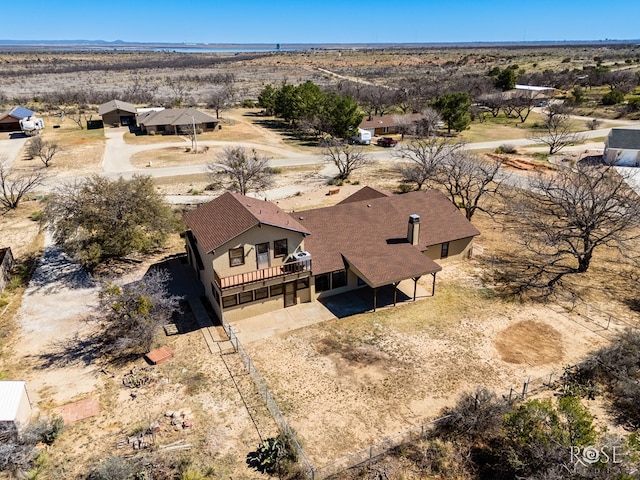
x: 387, y: 120
x: 365, y: 193
x: 229, y: 215
x: 371, y: 235
x: 175, y: 116
x: 116, y: 105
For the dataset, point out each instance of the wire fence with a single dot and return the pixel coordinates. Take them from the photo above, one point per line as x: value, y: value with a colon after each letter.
x: 530, y: 386
x: 269, y: 401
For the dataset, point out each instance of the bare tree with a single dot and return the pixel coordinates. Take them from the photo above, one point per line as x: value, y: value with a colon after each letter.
x: 347, y: 158
x: 557, y: 132
x: 423, y: 159
x: 132, y: 314
x: 15, y: 185
x: 567, y: 216
x: 469, y: 180
x: 405, y: 125
x: 43, y: 150
x: 428, y: 124
x: 241, y: 170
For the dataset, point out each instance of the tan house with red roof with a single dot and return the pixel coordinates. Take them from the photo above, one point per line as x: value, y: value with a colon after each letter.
x: 253, y: 257
x: 388, y: 124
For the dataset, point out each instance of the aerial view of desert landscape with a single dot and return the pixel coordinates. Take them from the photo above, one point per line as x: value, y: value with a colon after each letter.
x: 312, y: 252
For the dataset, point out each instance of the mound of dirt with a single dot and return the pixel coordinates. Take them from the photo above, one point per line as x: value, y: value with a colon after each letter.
x: 529, y: 342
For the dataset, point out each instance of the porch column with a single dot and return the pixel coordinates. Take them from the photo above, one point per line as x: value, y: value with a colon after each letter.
x: 415, y: 287
x: 433, y: 287
x: 375, y: 298
x: 395, y: 292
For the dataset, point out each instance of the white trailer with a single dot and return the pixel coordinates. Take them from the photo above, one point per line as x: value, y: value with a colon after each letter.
x: 31, y: 126
x: 363, y: 137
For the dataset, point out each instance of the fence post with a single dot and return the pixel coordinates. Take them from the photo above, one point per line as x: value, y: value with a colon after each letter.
x: 550, y: 375
x: 525, y: 388
x: 371, y: 452
x: 510, y: 393
x: 608, y: 322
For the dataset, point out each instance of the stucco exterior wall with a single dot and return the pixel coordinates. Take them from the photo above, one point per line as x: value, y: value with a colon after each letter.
x: 458, y: 249
x: 248, y: 240
x: 219, y: 262
x: 622, y: 158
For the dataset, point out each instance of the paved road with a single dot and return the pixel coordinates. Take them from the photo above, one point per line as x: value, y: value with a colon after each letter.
x: 118, y: 154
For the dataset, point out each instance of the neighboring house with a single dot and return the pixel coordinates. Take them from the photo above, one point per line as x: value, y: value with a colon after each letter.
x: 388, y: 124
x: 174, y: 121
x: 253, y: 257
x: 10, y: 121
x: 622, y: 147
x: 6, y: 264
x: 117, y: 112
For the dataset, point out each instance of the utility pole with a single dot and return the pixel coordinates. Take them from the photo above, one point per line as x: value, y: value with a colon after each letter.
x: 195, y: 135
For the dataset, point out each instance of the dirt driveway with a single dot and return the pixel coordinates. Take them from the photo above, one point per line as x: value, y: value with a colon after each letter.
x: 51, y: 319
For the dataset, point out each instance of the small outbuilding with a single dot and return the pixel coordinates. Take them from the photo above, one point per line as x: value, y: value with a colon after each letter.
x: 622, y: 147
x: 15, y: 408
x: 117, y: 112
x: 10, y: 121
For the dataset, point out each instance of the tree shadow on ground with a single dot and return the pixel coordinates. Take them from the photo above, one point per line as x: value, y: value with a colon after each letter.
x: 288, y: 133
x: 56, y: 271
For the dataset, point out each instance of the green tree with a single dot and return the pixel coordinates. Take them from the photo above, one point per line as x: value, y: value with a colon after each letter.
x: 98, y: 218
x: 287, y: 103
x: 267, y: 99
x: 341, y: 115
x: 310, y: 99
x: 454, y: 109
x: 506, y: 79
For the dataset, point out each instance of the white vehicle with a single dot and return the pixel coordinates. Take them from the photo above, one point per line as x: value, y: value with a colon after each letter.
x: 31, y: 126
x: 362, y: 138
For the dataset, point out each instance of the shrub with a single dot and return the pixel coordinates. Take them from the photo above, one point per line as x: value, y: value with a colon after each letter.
x: 405, y: 188
x: 593, y: 124
x: 248, y: 103
x: 613, y: 97
x: 506, y: 149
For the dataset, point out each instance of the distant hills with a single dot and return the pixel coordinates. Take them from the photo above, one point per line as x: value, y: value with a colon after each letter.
x: 125, y: 45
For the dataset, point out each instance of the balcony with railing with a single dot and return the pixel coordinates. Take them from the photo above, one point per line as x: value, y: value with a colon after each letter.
x: 297, y: 269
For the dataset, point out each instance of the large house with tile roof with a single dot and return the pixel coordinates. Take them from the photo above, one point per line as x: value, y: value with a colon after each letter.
x: 253, y: 257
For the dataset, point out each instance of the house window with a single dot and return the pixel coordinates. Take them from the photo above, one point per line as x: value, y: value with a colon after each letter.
x: 236, y: 256
x: 229, y: 301
x: 245, y: 297
x: 322, y: 282
x: 276, y: 290
x: 339, y: 279
x: 280, y: 248
x: 385, y: 129
x: 444, y: 252
x: 262, y: 293
x: 303, y: 283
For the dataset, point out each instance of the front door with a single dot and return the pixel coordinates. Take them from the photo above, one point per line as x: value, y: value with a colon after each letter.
x: 289, y: 294
x: 262, y: 252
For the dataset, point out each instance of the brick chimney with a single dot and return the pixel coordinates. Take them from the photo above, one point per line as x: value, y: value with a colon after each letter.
x: 413, y: 230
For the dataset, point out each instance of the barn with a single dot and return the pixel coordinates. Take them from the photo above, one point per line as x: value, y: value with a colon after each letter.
x: 118, y: 113
x: 10, y: 121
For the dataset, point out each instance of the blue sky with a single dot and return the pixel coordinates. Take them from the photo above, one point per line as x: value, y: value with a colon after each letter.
x: 328, y: 21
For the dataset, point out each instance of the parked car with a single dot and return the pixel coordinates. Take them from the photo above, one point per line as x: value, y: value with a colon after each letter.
x: 386, y: 142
